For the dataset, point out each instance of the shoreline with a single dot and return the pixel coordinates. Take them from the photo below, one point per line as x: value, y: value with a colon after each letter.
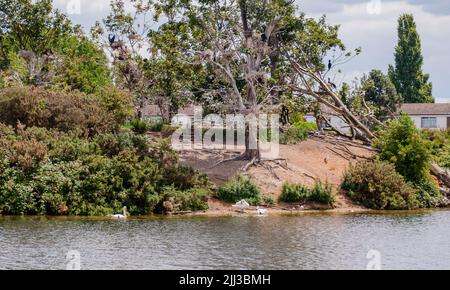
x: 231, y: 214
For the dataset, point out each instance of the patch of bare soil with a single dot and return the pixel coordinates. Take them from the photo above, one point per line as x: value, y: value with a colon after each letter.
x: 318, y: 158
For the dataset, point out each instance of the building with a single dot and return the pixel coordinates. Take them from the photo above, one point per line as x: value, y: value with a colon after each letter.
x: 152, y: 113
x: 428, y: 116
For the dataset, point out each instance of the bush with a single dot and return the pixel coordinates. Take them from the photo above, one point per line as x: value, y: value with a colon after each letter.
x: 139, y: 126
x: 439, y: 146
x: 376, y: 184
x: 240, y: 188
x: 155, y: 126
x: 298, y: 130
x: 320, y: 193
x: 401, y: 144
x: 175, y: 200
x: 51, y: 172
x: 294, y: 193
x: 64, y: 111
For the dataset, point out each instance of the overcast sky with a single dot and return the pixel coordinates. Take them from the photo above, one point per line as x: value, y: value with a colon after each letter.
x: 365, y: 24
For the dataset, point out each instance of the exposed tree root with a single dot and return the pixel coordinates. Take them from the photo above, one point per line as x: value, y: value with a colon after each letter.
x: 236, y: 158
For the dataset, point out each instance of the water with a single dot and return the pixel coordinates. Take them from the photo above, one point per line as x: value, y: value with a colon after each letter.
x: 419, y: 240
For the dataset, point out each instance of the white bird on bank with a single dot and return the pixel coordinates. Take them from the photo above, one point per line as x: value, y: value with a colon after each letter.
x: 241, y: 205
x: 121, y: 216
x: 261, y: 211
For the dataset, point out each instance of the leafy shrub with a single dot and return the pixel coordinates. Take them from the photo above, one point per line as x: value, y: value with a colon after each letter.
x: 294, y: 193
x: 156, y: 126
x: 401, y: 144
x: 175, y: 200
x: 64, y: 111
x: 439, y: 145
x: 139, y: 126
x: 320, y: 193
x: 428, y: 195
x: 298, y: 130
x: 240, y: 188
x: 69, y: 174
x: 376, y: 184
x: 268, y: 200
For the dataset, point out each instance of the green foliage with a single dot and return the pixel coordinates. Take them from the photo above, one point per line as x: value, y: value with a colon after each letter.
x: 407, y: 75
x: 298, y: 130
x: 376, y: 184
x: 401, y: 144
x: 320, y: 193
x: 380, y: 93
x: 117, y: 102
x: 439, y: 145
x: 50, y: 172
x: 84, y: 66
x: 291, y: 192
x: 240, y: 188
x: 30, y: 25
x: 55, y: 109
x: 156, y: 126
x: 175, y: 200
x: 138, y: 126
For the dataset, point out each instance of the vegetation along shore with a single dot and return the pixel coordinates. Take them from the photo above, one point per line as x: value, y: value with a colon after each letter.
x: 78, y: 136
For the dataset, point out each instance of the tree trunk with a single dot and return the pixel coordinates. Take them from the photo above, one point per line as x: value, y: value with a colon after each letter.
x: 442, y: 174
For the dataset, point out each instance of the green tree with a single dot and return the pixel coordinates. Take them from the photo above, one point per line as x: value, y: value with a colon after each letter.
x: 379, y: 92
x: 401, y: 144
x: 407, y: 75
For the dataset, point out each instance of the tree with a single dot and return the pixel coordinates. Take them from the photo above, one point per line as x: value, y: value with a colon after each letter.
x: 379, y: 93
x: 409, y: 80
x: 401, y: 144
x: 241, y: 41
x: 39, y: 46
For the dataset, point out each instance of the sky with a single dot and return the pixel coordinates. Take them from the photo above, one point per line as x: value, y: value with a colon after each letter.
x: 369, y: 24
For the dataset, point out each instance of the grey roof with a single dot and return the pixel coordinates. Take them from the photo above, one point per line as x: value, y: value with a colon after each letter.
x: 151, y: 110
x: 425, y: 109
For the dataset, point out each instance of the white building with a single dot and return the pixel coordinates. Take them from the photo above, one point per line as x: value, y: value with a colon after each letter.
x: 428, y: 116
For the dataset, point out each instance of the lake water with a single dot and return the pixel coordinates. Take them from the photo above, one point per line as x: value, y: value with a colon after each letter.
x: 419, y: 240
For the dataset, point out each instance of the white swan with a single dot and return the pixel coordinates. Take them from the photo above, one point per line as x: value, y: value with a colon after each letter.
x: 261, y: 211
x: 241, y: 205
x: 121, y: 216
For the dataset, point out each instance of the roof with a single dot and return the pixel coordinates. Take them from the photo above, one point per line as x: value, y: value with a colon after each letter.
x: 151, y: 110
x: 425, y: 109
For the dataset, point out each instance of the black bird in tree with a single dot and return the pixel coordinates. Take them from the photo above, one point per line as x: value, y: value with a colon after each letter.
x: 111, y: 39
x: 331, y: 84
x: 329, y: 64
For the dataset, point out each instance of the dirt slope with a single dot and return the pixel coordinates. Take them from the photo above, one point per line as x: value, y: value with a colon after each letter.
x: 319, y: 157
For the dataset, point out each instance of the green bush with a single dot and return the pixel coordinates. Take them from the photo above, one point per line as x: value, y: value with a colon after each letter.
x: 401, y: 144
x: 139, y: 126
x: 62, y: 110
x: 439, y: 146
x: 320, y: 193
x: 297, y: 131
x: 176, y: 200
x: 240, y: 188
x: 50, y: 172
x: 291, y: 192
x: 156, y: 126
x: 376, y: 184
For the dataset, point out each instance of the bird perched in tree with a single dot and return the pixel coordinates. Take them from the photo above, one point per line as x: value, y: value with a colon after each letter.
x: 329, y: 64
x: 331, y: 84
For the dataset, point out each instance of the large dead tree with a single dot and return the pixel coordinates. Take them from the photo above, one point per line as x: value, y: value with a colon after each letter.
x: 311, y: 82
